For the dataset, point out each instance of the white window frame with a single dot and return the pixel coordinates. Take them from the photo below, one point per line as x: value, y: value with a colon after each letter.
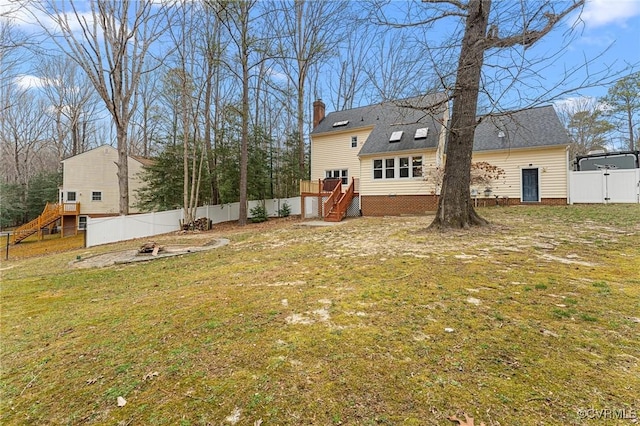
x: 389, y: 167
x: 81, y: 220
x: 406, y: 168
x: 379, y: 169
x: 342, y: 174
x: 420, y: 167
x: 384, y: 170
x: 75, y: 196
x: 92, y: 196
x: 354, y: 141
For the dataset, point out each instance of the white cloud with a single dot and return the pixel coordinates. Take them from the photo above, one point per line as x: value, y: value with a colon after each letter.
x: 26, y: 81
x: 277, y: 75
x: 597, y: 13
x: 30, y: 18
x: 579, y: 103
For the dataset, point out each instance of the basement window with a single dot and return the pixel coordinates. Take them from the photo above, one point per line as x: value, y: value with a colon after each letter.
x: 82, y: 223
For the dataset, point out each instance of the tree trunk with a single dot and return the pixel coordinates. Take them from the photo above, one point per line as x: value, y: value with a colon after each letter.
x: 123, y: 168
x: 630, y: 122
x: 244, y: 46
x: 455, y: 209
x: 302, y: 74
x: 244, y: 149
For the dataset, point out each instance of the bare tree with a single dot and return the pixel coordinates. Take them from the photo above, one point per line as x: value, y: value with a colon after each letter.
x: 110, y: 42
x: 505, y: 32
x: 311, y: 33
x: 350, y: 77
x: 212, y: 50
x: 145, y: 124
x: 455, y: 209
x: 240, y: 20
x: 72, y: 101
x: 24, y: 136
x: 12, y: 55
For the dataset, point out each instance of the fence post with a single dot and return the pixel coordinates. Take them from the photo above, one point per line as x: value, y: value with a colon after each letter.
x: 6, y: 256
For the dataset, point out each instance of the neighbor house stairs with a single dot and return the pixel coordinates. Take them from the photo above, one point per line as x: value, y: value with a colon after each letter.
x: 52, y: 212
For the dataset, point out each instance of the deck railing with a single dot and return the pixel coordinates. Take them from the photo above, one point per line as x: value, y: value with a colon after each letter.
x: 310, y: 186
x: 317, y: 187
x: 51, y: 213
x: 70, y: 208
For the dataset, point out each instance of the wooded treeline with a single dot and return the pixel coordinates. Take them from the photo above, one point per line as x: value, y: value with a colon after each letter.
x: 218, y: 92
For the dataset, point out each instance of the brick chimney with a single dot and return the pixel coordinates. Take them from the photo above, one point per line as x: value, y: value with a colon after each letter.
x: 318, y: 112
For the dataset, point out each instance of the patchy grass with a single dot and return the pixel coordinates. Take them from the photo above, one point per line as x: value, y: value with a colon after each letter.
x: 33, y: 247
x: 371, y: 322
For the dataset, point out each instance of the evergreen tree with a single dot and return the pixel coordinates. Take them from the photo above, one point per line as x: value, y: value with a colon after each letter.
x: 588, y: 130
x: 163, y: 189
x: 43, y: 189
x: 12, y: 207
x: 624, y: 100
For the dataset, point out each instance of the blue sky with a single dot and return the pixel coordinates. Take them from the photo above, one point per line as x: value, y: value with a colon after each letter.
x: 610, y: 27
x: 607, y: 35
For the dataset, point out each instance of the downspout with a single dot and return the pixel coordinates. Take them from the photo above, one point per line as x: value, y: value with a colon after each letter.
x: 569, y: 175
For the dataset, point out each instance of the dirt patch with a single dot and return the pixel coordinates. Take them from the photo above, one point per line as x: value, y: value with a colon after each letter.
x: 131, y: 256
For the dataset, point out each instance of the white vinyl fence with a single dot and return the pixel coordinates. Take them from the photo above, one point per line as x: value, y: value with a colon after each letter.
x: 120, y: 228
x: 605, y: 186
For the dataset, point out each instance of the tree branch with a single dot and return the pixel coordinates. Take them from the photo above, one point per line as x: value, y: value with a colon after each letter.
x: 528, y: 38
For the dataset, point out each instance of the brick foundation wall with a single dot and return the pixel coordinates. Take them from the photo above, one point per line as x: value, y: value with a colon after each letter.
x: 544, y: 202
x: 491, y: 201
x: 385, y: 205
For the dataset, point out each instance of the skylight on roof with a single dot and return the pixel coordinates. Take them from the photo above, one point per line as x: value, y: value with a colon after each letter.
x: 421, y: 133
x: 396, y: 136
x: 340, y: 123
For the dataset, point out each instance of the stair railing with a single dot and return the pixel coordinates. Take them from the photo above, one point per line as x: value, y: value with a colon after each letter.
x: 333, y: 198
x: 345, y: 200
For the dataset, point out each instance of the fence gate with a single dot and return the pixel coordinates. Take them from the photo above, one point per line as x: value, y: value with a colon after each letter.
x: 605, y: 186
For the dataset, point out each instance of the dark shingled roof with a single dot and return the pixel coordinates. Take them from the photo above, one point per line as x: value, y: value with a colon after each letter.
x: 522, y: 129
x: 388, y: 117
x: 531, y: 127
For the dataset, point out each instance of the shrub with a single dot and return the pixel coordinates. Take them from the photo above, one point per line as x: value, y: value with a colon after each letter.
x: 259, y: 214
x: 284, y: 210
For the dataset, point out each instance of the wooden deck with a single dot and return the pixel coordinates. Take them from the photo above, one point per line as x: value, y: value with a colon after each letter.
x: 50, y: 215
x: 333, y: 202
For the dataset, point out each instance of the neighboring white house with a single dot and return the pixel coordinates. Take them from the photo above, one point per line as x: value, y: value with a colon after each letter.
x: 91, y: 179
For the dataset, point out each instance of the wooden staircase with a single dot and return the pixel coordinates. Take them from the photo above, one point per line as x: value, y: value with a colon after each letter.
x: 51, y: 213
x: 336, y: 206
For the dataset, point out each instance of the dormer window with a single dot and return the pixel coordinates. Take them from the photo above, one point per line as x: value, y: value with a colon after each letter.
x: 421, y: 133
x: 396, y: 136
x: 340, y: 123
